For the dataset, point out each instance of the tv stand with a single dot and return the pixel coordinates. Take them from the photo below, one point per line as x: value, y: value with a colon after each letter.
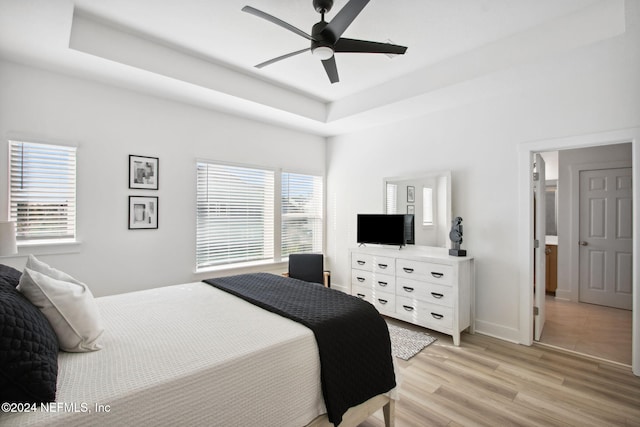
x: 422, y: 285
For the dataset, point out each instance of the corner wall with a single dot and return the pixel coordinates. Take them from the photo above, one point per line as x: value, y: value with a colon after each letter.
x: 588, y: 90
x: 108, y: 124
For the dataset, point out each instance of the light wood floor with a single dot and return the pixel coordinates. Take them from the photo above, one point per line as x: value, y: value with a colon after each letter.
x: 490, y: 382
x: 591, y: 329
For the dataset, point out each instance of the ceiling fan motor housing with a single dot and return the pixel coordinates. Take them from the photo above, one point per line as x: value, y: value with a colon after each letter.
x: 322, y: 6
x: 321, y: 39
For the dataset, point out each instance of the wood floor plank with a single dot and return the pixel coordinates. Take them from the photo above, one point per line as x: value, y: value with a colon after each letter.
x: 489, y: 382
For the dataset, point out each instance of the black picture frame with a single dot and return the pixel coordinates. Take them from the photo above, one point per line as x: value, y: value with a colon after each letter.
x: 411, y: 194
x: 143, y: 212
x: 144, y: 172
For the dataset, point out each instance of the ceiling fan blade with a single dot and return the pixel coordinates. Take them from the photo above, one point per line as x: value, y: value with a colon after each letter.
x: 364, y: 46
x: 280, y: 58
x: 276, y: 21
x: 344, y: 18
x: 331, y: 69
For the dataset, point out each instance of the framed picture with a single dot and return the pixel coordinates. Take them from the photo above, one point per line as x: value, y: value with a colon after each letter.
x: 411, y: 194
x: 411, y: 209
x: 143, y: 212
x: 143, y: 172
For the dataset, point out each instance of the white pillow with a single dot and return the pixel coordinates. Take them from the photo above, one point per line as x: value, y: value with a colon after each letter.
x: 67, y: 303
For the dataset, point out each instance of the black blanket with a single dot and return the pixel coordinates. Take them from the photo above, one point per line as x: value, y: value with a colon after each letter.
x: 353, y: 339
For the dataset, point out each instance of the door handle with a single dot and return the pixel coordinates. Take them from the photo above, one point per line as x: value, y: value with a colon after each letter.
x: 583, y: 243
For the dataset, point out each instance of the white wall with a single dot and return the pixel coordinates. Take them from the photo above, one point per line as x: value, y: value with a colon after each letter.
x: 569, y: 162
x: 108, y: 124
x: 588, y: 90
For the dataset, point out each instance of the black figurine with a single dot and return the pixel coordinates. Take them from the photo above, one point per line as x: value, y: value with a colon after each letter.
x: 456, y: 237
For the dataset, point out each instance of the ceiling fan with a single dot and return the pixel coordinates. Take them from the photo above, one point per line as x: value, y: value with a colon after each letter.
x: 326, y: 36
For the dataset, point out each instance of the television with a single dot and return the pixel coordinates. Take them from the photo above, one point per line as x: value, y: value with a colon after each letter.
x: 395, y: 229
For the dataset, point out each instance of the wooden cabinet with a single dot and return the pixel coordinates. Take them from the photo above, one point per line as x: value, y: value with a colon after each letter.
x: 551, y: 260
x: 426, y: 287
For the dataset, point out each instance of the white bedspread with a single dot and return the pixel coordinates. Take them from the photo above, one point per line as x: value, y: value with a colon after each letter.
x: 188, y: 355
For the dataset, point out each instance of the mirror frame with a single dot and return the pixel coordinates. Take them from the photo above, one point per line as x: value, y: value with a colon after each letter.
x: 444, y: 229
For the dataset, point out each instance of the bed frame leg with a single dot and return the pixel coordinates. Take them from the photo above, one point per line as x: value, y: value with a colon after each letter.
x: 389, y: 411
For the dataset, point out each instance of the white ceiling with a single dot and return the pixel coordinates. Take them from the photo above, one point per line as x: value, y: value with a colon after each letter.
x: 204, y: 51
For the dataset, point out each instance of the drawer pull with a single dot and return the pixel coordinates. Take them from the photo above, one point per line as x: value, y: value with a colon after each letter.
x: 360, y: 262
x: 360, y: 279
x: 408, y: 307
x: 408, y: 270
x: 383, y: 284
x: 382, y: 301
x: 437, y: 316
x: 436, y: 295
x: 361, y: 295
x: 437, y: 275
x: 382, y: 266
x: 407, y: 289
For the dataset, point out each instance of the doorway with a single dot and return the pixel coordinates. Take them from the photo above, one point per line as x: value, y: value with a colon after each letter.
x: 526, y: 152
x: 583, y: 317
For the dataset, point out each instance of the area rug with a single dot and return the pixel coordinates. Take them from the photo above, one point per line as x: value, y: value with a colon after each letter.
x: 406, y: 343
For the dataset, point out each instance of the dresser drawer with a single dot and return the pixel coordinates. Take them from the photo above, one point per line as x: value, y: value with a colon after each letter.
x: 427, y: 271
x: 374, y: 263
x: 384, y: 302
x: 426, y: 291
x: 430, y: 315
x: 368, y: 279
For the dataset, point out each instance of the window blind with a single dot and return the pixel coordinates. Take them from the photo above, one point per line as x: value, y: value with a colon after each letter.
x: 42, y: 194
x: 392, y: 199
x: 302, y: 213
x: 235, y: 214
x: 427, y: 206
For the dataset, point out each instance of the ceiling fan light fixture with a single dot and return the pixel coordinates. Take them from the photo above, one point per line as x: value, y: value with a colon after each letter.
x: 322, y: 52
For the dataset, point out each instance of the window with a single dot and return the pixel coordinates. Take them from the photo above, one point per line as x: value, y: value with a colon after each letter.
x: 301, y: 213
x: 237, y: 215
x: 392, y: 198
x: 42, y: 193
x: 427, y: 206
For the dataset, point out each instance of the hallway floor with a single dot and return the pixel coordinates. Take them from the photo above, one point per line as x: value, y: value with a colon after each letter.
x: 595, y: 330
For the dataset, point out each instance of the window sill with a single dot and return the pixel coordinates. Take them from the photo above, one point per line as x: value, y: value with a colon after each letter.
x: 245, y: 267
x: 46, y: 248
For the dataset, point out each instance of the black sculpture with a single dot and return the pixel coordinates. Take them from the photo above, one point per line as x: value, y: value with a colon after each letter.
x: 456, y: 237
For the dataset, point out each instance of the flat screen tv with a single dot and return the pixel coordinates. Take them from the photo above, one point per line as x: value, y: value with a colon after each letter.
x: 385, y: 229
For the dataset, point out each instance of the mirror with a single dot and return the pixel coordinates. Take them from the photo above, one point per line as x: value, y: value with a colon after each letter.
x: 428, y: 197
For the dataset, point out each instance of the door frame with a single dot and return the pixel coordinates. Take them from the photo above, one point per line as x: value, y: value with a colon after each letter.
x: 526, y: 150
x: 574, y: 233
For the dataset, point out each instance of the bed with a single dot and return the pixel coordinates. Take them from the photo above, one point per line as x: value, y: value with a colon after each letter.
x: 194, y: 354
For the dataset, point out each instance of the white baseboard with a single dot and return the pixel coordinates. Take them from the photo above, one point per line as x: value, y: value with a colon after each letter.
x: 498, y: 331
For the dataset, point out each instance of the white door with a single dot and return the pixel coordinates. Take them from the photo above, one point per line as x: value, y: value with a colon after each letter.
x: 606, y: 237
x: 539, y: 289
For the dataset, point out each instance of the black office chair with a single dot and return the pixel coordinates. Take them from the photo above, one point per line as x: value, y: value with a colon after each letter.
x: 310, y: 268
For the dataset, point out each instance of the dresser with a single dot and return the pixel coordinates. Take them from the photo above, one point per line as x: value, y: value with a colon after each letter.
x: 423, y: 286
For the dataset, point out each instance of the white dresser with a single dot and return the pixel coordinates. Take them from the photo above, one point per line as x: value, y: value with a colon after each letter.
x: 424, y: 286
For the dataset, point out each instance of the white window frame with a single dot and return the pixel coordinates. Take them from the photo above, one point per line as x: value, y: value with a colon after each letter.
x: 47, y: 165
x: 312, y: 212
x: 428, y: 207
x: 276, y: 221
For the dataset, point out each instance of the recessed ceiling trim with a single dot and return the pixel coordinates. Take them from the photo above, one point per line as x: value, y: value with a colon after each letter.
x: 110, y: 41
